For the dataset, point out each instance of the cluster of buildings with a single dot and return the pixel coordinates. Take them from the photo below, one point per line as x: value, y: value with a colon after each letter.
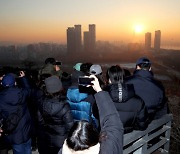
x: 157, y: 40
x: 74, y: 39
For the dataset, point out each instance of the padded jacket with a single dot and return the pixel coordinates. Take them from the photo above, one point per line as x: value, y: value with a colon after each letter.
x: 130, y: 107
x: 55, y: 120
x: 10, y: 99
x: 151, y: 91
x: 80, y: 106
x: 111, y: 125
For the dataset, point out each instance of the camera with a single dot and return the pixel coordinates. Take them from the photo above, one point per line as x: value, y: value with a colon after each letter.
x: 84, y: 81
x: 58, y: 63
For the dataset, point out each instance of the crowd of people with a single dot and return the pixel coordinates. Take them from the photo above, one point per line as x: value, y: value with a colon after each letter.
x: 85, y: 111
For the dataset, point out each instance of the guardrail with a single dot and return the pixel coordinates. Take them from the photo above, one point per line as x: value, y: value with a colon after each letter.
x: 155, y: 137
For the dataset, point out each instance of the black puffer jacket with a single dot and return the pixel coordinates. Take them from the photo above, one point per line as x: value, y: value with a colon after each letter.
x: 130, y: 107
x: 55, y: 120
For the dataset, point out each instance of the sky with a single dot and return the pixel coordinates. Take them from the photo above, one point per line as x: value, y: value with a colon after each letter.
x: 29, y: 21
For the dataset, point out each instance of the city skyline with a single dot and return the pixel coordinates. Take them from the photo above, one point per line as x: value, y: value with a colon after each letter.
x: 47, y: 21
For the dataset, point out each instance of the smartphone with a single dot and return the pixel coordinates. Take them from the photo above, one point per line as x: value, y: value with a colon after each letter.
x: 84, y: 81
x: 58, y: 63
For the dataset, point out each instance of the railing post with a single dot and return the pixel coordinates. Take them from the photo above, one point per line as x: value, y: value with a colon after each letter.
x: 167, y: 136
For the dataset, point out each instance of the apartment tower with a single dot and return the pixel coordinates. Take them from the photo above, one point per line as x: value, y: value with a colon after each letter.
x: 157, y: 40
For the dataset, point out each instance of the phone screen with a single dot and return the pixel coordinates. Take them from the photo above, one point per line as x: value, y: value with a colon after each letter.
x: 85, y: 81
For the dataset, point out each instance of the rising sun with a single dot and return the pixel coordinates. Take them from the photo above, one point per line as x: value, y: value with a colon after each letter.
x: 138, y: 28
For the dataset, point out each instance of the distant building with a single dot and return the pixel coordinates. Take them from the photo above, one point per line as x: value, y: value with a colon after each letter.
x: 74, y: 39
x: 78, y: 38
x: 86, y: 41
x: 147, y: 41
x: 157, y: 40
x: 92, y: 36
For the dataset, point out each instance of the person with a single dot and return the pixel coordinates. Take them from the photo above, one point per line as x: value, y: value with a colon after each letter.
x: 84, y: 138
x: 85, y: 67
x: 51, y: 67
x: 130, y: 107
x: 54, y: 117
x: 77, y: 66
x: 149, y: 89
x: 12, y: 100
x: 80, y: 101
x: 96, y: 70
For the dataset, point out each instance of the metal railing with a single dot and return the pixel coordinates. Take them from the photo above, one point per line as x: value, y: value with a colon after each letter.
x: 155, y: 137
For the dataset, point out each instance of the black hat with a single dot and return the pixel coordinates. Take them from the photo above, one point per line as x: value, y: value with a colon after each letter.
x: 143, y: 60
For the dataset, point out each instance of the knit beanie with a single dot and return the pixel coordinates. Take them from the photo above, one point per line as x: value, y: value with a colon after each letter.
x: 53, y: 84
x: 8, y: 80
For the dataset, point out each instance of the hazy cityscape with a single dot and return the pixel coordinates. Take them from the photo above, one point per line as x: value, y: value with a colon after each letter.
x: 101, y: 32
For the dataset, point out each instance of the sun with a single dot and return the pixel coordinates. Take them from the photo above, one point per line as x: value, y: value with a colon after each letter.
x: 138, y: 28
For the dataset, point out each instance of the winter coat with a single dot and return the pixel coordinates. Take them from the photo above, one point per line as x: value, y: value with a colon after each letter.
x: 10, y: 99
x: 50, y: 69
x: 55, y: 120
x: 111, y: 126
x: 151, y: 91
x: 80, y: 105
x: 131, y: 108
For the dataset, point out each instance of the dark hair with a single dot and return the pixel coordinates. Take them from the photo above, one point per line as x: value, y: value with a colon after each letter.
x: 115, y: 74
x: 50, y: 61
x: 85, y: 67
x: 82, y: 136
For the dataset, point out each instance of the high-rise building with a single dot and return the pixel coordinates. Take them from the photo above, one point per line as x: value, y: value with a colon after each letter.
x: 92, y: 36
x: 157, y: 40
x: 70, y: 39
x: 74, y: 39
x: 147, y: 41
x: 86, y: 41
x: 78, y: 38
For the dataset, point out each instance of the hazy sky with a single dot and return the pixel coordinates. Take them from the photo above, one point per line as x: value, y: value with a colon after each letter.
x: 47, y: 20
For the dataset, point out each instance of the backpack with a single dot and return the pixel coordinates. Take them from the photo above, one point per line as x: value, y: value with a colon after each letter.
x: 10, y: 123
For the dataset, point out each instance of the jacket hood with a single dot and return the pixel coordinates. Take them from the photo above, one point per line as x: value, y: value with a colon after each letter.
x: 12, y: 95
x: 121, y: 92
x: 75, y: 96
x: 144, y: 73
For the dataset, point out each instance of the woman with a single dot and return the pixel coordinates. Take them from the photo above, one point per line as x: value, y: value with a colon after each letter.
x: 54, y: 116
x: 84, y: 138
x: 130, y: 107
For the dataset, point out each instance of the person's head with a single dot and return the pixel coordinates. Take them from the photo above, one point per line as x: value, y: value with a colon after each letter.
x: 77, y: 66
x: 95, y: 69
x: 143, y: 64
x: 85, y: 67
x: 53, y: 85
x: 52, y: 61
x: 115, y: 74
x: 82, y: 136
x: 8, y: 80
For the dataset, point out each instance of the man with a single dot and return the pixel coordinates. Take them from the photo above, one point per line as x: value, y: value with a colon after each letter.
x: 13, y: 101
x: 149, y: 89
x: 51, y: 67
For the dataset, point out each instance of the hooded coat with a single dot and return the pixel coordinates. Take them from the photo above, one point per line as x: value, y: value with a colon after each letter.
x: 151, y: 91
x: 131, y: 108
x: 10, y: 99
